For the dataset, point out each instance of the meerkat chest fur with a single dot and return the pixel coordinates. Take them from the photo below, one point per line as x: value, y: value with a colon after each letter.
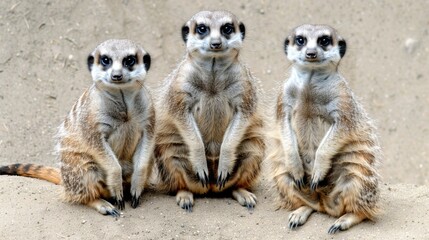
x: 214, y: 96
x: 312, y: 100
x: 122, y: 118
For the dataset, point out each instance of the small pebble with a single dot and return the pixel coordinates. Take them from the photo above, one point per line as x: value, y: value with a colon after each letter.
x: 410, y: 45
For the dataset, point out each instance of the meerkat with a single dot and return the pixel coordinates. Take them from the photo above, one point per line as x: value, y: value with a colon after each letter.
x: 326, y: 152
x: 209, y: 138
x: 106, y: 142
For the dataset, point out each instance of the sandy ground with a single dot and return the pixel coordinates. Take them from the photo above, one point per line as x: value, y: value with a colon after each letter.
x: 44, y: 45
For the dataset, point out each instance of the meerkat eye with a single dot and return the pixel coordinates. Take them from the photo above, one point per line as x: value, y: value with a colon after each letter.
x: 324, y: 41
x: 129, y: 61
x: 105, y: 60
x: 300, y: 41
x: 202, y: 29
x: 227, y: 29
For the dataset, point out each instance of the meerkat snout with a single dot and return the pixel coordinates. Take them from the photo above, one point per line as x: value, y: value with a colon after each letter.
x: 117, y: 77
x: 216, y: 44
x: 311, y: 54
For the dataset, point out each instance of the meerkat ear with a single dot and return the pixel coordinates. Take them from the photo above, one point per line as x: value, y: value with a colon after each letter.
x: 90, y: 62
x: 185, y: 33
x: 146, y: 61
x: 286, y: 44
x: 242, y: 30
x: 342, y: 47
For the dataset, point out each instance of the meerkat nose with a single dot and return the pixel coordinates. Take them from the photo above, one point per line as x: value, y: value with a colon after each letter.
x: 311, y: 54
x: 216, y: 45
x: 117, y: 77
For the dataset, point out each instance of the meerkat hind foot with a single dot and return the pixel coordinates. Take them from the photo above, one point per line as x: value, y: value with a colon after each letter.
x: 104, y: 207
x: 299, y: 216
x: 345, y: 222
x: 185, y: 200
x: 245, y: 198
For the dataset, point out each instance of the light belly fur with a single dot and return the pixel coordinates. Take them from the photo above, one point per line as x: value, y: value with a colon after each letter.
x: 309, y: 133
x: 124, y: 140
x: 213, y: 115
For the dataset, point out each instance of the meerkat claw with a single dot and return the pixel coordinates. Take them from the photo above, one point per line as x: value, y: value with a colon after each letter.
x: 204, y: 180
x: 188, y: 207
x: 299, y: 183
x: 293, y: 225
x: 250, y: 207
x: 135, y: 201
x: 120, y: 204
x: 221, y: 180
x: 334, y: 229
x: 114, y: 213
x: 313, y: 186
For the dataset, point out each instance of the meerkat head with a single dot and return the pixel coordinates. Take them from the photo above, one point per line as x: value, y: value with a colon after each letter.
x: 118, y: 63
x: 213, y: 34
x: 315, y: 46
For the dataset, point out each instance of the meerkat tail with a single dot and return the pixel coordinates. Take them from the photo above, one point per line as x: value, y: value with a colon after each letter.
x: 46, y: 173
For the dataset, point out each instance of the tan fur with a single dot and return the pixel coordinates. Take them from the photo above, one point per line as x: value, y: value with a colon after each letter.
x: 210, y: 132
x: 325, y: 151
x: 106, y: 142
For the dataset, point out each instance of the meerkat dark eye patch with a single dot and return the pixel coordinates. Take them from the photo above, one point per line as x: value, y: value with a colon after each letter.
x: 129, y: 61
x: 300, y: 41
x: 242, y: 30
x: 227, y: 29
x: 324, y: 41
x: 105, y: 61
x: 286, y: 45
x: 202, y: 30
x: 185, y: 33
x: 146, y: 61
x: 342, y: 47
x: 90, y: 62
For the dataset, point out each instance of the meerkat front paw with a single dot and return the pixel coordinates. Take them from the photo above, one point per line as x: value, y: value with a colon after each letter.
x: 202, y: 176
x: 316, y: 178
x: 297, y: 170
x: 185, y: 200
x: 136, y: 193
x: 298, y: 177
x: 245, y: 198
x: 137, y: 188
x: 223, y: 177
x: 119, y: 202
x: 114, y: 183
x: 322, y: 164
x: 201, y: 170
x: 223, y: 170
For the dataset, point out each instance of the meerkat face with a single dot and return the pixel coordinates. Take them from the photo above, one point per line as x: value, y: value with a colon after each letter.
x: 315, y: 46
x: 213, y: 34
x: 118, y: 63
